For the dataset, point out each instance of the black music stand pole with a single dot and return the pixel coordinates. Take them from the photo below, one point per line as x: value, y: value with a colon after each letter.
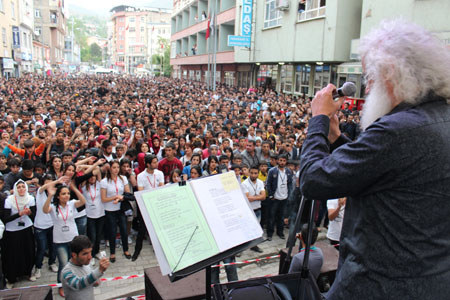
x: 208, y: 282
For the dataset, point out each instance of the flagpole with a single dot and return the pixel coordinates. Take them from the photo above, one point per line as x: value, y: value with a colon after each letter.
x: 215, y: 45
x: 151, y: 50
x: 209, y: 58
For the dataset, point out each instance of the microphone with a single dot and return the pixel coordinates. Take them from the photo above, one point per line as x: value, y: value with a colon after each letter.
x: 347, y: 89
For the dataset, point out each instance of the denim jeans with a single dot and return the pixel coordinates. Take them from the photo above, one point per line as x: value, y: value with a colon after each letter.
x: 94, y: 232
x: 231, y: 271
x: 276, y: 215
x: 81, y: 225
x: 114, y: 218
x: 44, y: 241
x: 63, y: 254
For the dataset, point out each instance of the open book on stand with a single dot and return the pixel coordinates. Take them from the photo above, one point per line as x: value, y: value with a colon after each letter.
x: 191, y: 223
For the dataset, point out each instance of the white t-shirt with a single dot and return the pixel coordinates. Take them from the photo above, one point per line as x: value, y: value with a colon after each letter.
x: 64, y: 226
x: 335, y: 226
x: 42, y: 220
x: 94, y: 206
x: 113, y: 188
x: 281, y: 193
x: 14, y: 224
x: 253, y: 189
x: 150, y: 181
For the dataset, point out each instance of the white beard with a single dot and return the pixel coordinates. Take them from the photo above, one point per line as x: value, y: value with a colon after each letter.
x: 377, y: 104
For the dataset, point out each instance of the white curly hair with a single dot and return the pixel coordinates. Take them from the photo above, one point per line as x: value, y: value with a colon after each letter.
x: 409, y: 56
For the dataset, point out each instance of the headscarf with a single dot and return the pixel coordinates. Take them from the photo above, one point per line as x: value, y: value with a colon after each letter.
x: 22, y: 201
x: 141, y: 163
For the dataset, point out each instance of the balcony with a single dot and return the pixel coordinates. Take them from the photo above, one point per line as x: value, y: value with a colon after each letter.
x: 224, y: 17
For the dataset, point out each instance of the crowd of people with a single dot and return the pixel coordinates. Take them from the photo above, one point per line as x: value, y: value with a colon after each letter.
x: 74, y: 149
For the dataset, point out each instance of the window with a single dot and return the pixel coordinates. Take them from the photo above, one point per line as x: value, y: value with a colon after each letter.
x: 24, y: 39
x: 38, y: 30
x: 4, y: 35
x: 121, y: 47
x: 321, y: 77
x: 132, y: 29
x: 13, y: 11
x: 311, y: 9
x: 120, y: 29
x: 142, y: 19
x: 132, y: 19
x: 142, y: 29
x: 286, y: 77
x: 272, y: 15
x: 53, y: 18
x: 302, y: 75
x: 229, y: 78
x: 37, y: 13
x: 1, y: 5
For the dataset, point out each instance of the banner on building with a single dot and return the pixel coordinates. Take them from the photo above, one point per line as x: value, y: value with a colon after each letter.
x: 246, y: 23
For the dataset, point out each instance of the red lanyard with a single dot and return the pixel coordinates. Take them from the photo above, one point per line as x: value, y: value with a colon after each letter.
x: 117, y: 189
x: 95, y: 193
x: 62, y: 215
x: 154, y: 181
x: 17, y: 204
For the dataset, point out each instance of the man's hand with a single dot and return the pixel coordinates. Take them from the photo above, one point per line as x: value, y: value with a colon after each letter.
x: 323, y: 103
x: 335, y: 132
x: 341, y: 202
x: 103, y: 264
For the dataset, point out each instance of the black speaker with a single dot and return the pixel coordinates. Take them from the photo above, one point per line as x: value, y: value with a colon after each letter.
x: 280, y: 287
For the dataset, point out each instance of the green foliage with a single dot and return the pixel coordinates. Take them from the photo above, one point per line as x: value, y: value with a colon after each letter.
x: 81, y: 34
x: 164, y: 55
x: 96, y: 53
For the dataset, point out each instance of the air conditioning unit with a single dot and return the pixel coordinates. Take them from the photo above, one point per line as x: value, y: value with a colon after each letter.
x: 283, y: 4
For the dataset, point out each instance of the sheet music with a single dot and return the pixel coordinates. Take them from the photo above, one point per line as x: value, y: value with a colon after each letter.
x: 227, y: 211
x: 174, y: 213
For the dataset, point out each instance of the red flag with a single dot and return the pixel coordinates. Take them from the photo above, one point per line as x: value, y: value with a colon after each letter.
x: 207, y: 28
x: 153, y: 28
x: 128, y: 26
x: 162, y: 46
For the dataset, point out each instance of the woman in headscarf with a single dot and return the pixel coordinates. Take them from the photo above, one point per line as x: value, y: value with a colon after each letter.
x: 18, y: 242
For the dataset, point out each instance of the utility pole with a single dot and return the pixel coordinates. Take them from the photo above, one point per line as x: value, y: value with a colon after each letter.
x: 72, y: 47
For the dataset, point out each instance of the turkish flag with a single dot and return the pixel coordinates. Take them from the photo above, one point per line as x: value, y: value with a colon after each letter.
x: 208, y: 28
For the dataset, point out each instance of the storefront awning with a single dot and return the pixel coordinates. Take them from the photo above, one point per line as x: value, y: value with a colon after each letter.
x: 350, y: 68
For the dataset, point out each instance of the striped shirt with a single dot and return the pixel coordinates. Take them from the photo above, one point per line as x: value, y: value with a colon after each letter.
x: 78, y: 281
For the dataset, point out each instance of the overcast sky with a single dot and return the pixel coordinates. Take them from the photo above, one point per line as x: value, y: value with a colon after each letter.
x: 103, y: 7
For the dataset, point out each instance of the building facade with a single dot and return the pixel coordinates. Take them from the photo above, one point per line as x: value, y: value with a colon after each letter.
x: 190, y: 48
x: 295, y: 46
x: 134, y: 36
x: 50, y: 28
x: 8, y: 21
x: 23, y: 54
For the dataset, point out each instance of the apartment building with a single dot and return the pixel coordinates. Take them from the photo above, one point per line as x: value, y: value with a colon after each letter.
x: 8, y: 20
x: 50, y: 28
x: 134, y: 36
x: 297, y: 46
x: 189, y: 46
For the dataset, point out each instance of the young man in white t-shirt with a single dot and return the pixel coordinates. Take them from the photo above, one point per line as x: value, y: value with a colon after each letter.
x: 255, y: 192
x: 148, y: 180
x: 336, y: 208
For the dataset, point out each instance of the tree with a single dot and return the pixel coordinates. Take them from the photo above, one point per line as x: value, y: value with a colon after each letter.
x: 164, y: 52
x: 96, y: 53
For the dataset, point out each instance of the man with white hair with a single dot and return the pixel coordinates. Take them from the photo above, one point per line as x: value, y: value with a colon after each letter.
x: 395, y: 241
